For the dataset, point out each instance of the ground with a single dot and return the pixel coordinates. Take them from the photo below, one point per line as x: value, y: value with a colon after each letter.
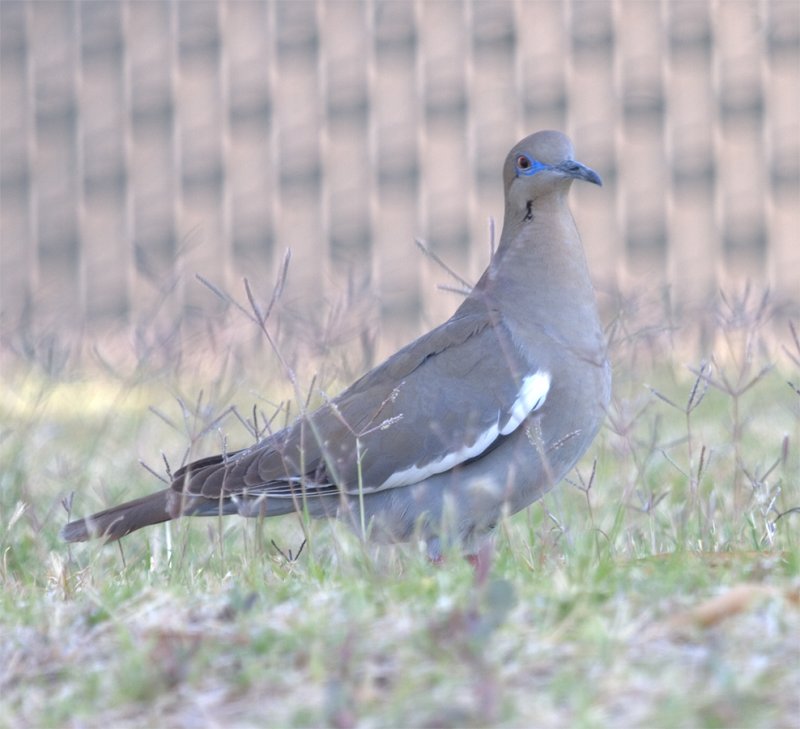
x: 659, y: 586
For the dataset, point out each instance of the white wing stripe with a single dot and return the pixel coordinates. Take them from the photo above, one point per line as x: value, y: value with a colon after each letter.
x: 531, y: 396
x: 445, y: 463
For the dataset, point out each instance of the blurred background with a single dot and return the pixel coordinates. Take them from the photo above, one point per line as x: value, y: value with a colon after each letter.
x: 146, y: 143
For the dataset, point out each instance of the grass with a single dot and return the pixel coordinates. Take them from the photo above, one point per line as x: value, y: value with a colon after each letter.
x: 659, y: 587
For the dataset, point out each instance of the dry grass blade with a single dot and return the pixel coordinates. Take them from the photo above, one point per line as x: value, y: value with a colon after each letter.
x: 162, y: 416
x: 701, y: 464
x: 724, y: 384
x: 664, y: 398
x: 280, y: 283
x: 794, y: 356
x: 466, y: 286
x: 227, y: 298
x: 696, y: 395
x: 155, y: 473
x: 261, y: 321
x: 712, y: 611
x: 793, y: 510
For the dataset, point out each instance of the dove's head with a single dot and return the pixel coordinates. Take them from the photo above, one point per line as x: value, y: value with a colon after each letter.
x: 540, y: 165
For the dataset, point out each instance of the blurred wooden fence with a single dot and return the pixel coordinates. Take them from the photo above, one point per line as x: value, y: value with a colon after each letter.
x: 145, y: 142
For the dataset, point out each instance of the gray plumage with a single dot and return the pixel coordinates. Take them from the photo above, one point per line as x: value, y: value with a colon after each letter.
x: 479, y: 417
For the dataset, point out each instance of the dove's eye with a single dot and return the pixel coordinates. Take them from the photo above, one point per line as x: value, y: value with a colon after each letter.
x: 528, y: 166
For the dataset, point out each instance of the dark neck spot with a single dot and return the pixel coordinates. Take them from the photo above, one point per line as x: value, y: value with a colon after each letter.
x: 528, y: 211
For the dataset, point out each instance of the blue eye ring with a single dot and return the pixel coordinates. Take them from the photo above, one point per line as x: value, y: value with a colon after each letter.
x: 527, y: 166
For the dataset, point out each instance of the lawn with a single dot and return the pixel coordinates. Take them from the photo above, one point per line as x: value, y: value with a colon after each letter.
x: 658, y: 587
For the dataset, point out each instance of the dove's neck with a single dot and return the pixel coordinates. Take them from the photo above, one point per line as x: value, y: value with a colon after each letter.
x: 539, y: 276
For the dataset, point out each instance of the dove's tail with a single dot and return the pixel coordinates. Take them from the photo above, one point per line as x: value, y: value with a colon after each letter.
x: 116, y: 522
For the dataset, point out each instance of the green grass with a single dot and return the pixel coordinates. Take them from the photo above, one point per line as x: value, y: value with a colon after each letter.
x: 660, y: 587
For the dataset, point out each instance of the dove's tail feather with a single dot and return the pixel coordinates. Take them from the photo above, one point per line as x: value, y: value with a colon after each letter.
x: 116, y: 522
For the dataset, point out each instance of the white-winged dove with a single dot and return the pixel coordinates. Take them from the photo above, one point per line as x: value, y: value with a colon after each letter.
x: 478, y: 418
